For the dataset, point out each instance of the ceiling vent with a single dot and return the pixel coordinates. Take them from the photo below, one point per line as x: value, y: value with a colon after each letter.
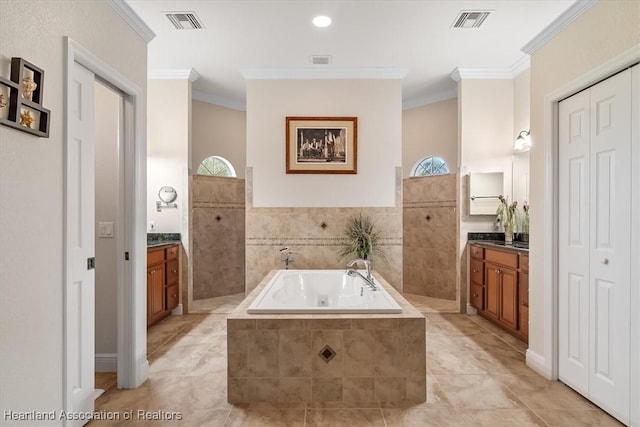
x: 184, y: 20
x: 471, y: 19
x: 321, y: 59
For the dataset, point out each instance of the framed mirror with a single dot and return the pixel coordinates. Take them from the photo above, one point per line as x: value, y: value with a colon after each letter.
x: 484, y: 192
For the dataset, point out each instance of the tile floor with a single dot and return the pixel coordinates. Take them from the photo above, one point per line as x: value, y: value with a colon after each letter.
x: 476, y: 376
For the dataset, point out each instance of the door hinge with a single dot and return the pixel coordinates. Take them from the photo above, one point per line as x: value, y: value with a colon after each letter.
x: 91, y: 263
x: 126, y: 256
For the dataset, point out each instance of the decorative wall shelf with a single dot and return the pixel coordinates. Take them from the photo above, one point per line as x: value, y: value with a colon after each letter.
x: 22, y: 98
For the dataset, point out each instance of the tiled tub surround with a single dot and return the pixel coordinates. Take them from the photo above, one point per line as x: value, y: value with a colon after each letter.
x: 313, y: 245
x: 345, y: 358
x: 218, y: 209
x: 429, y: 236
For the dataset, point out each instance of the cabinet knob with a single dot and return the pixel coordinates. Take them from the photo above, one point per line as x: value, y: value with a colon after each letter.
x: 174, y: 295
x: 474, y: 295
x: 174, y: 271
x: 475, y: 271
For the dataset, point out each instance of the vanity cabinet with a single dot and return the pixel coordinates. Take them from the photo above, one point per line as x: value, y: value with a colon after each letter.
x: 499, y: 287
x: 162, y: 281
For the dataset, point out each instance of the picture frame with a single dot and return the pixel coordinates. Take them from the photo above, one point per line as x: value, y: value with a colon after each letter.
x: 321, y: 145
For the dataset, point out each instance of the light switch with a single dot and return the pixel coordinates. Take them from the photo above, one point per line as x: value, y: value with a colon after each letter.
x: 105, y: 230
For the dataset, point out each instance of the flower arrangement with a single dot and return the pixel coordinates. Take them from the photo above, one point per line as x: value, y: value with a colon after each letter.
x: 524, y: 223
x: 507, y: 215
x: 363, y: 240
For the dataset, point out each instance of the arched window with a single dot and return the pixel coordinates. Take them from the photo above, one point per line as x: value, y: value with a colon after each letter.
x: 431, y: 165
x: 216, y: 166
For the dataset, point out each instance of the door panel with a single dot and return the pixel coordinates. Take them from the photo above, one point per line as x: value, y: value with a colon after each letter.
x: 79, y: 231
x: 610, y: 261
x: 508, y: 298
x: 492, y: 286
x: 573, y: 242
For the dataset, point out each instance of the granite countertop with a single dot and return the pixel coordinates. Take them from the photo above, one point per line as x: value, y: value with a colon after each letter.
x: 497, y: 240
x: 161, y: 239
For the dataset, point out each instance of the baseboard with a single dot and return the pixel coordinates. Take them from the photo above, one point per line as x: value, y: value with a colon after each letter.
x: 178, y: 310
x: 106, y: 362
x: 471, y: 310
x: 537, y: 363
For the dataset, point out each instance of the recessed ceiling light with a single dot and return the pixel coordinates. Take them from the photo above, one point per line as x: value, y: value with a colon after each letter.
x: 321, y: 21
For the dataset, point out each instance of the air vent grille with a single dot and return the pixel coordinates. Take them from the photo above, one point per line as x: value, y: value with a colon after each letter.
x: 321, y: 59
x: 471, y: 19
x: 184, y: 20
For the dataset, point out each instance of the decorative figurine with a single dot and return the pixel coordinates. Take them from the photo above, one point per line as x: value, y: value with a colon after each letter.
x: 28, y: 86
x: 26, y: 119
x: 3, y: 101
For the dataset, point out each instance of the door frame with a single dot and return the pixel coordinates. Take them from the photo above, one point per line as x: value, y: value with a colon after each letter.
x: 547, y: 363
x: 133, y: 367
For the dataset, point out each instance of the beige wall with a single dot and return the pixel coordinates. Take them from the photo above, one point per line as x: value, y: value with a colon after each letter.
x: 219, y: 131
x: 430, y: 130
x: 107, y: 114
x: 31, y: 179
x: 606, y: 30
x: 289, y: 210
x: 378, y: 106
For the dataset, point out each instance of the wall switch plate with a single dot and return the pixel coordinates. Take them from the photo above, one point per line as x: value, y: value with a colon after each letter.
x: 105, y: 230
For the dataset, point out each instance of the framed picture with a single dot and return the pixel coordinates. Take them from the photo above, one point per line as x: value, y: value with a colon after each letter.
x: 322, y: 145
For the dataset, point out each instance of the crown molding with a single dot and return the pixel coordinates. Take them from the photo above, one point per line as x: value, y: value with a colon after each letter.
x: 558, y: 24
x: 491, y: 73
x: 430, y: 99
x: 184, y: 74
x: 322, y: 72
x: 132, y: 18
x: 218, y: 100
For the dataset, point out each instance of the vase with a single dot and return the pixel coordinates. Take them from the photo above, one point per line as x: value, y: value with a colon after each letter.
x: 508, y: 234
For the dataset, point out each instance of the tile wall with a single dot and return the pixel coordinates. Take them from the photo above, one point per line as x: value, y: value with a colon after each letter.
x: 326, y: 358
x: 315, y: 235
x: 218, y: 236
x: 430, y: 236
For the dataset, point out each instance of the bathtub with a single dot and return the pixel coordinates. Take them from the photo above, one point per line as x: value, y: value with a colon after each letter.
x: 321, y: 291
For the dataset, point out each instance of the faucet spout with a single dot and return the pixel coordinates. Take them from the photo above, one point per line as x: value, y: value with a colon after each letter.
x: 368, y: 279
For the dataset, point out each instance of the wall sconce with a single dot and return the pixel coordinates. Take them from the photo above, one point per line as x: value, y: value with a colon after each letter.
x: 523, y: 141
x: 167, y: 196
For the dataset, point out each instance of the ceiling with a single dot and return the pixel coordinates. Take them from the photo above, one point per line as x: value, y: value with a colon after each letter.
x: 416, y: 36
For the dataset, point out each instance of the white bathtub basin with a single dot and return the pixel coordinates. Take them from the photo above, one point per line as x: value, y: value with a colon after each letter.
x: 321, y: 291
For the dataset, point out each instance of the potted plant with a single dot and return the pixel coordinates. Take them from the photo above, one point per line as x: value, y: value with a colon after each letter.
x: 362, y: 238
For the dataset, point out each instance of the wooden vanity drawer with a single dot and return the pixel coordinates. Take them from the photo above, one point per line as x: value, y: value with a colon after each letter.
x: 172, y: 252
x: 508, y: 259
x: 476, y: 296
x: 476, y: 251
x: 524, y: 262
x: 172, y: 272
x: 155, y: 257
x: 172, y: 297
x: 476, y: 271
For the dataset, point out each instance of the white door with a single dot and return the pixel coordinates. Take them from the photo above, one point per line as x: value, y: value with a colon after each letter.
x: 594, y: 243
x: 79, y: 229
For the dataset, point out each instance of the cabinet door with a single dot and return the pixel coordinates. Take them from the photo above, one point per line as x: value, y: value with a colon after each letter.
x: 509, y: 297
x: 492, y: 290
x: 155, y: 292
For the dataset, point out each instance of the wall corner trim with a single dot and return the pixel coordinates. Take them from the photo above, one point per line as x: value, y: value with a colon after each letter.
x: 538, y: 364
x: 218, y: 100
x: 174, y: 74
x: 559, y: 24
x: 491, y: 73
x: 430, y: 99
x: 133, y: 19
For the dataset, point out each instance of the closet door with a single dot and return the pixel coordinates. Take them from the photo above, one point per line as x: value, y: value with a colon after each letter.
x: 573, y: 241
x: 594, y: 243
x: 610, y: 278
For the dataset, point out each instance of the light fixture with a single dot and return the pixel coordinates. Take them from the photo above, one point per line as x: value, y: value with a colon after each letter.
x: 523, y: 141
x: 321, y: 21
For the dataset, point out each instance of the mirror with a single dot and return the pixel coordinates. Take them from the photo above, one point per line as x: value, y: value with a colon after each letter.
x: 484, y: 192
x: 520, y: 177
x: 167, y: 194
